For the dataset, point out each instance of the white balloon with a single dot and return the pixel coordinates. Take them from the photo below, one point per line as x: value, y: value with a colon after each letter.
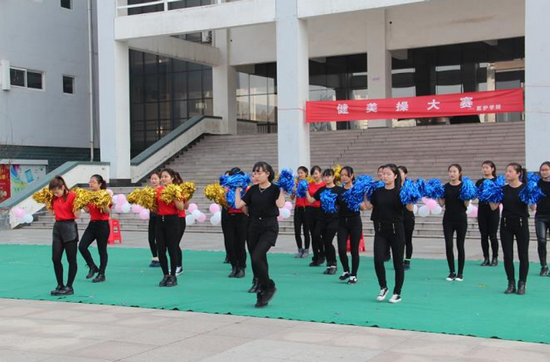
x: 415, y: 209
x: 126, y: 208
x: 470, y: 208
x: 437, y: 210
x: 423, y: 211
x: 28, y: 218
x: 114, y: 199
x: 189, y: 220
x: 216, y: 219
x: 196, y: 214
x: 285, y: 213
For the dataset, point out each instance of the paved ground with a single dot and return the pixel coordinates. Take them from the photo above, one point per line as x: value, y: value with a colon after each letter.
x: 55, y: 331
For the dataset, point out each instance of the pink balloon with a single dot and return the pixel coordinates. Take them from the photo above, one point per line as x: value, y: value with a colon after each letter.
x: 431, y: 204
x: 144, y: 214
x: 192, y: 207
x: 474, y: 211
x: 288, y: 205
x: 19, y: 213
x: 279, y: 218
x: 214, y: 208
x: 202, y: 218
x: 425, y: 200
x: 121, y: 199
x: 136, y: 209
x: 110, y: 192
x: 118, y: 208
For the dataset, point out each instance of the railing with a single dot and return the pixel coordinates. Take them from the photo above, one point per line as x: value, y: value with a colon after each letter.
x: 122, y: 10
x: 267, y: 127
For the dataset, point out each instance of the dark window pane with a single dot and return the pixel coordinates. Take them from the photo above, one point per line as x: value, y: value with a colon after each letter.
x: 137, y: 112
x: 151, y: 111
x: 68, y: 84
x: 180, y: 85
x: 66, y: 4
x: 151, y: 88
x: 179, y: 65
x: 136, y: 89
x: 196, y: 108
x: 34, y: 80
x: 195, y: 84
x: 17, y: 77
x: 180, y: 109
x: 165, y: 110
x: 136, y: 62
x: 207, y: 83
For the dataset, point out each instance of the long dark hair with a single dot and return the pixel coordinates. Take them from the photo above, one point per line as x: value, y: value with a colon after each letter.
x: 349, y: 170
x: 154, y: 173
x: 266, y: 167
x: 304, y: 168
x: 395, y: 171
x: 458, y: 167
x: 235, y: 171
x: 519, y: 169
x: 102, y: 183
x: 56, y: 183
x: 545, y: 163
x: 316, y: 168
x: 404, y: 169
x: 492, y: 165
x: 328, y: 172
x: 175, y: 176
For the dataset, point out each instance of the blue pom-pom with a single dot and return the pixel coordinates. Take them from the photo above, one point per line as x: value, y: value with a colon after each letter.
x: 421, y: 186
x: 468, y: 190
x: 328, y: 201
x: 356, y: 194
x: 409, y: 193
x: 533, y: 177
x: 230, y: 196
x: 373, y: 187
x: 302, y: 187
x: 501, y: 180
x: 531, y: 193
x: 434, y: 189
x: 490, y: 192
x: 286, y: 181
x: 235, y: 181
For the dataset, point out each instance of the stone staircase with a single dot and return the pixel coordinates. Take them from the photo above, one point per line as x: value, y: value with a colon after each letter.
x: 426, y: 151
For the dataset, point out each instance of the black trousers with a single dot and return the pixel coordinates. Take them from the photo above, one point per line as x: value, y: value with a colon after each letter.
x: 235, y: 233
x: 224, y: 232
x: 488, y: 221
x: 301, y: 223
x: 100, y: 231
x: 542, y: 225
x: 152, y: 234
x: 168, y: 237
x: 328, y: 231
x: 262, y: 235
x: 408, y: 223
x: 183, y: 224
x: 389, y: 235
x: 517, y: 228
x: 64, y: 239
x: 313, y: 215
x: 460, y: 226
x: 351, y: 227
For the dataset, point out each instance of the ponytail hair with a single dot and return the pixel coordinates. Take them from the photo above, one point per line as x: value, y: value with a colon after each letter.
x: 58, y: 182
x: 266, y: 167
x: 395, y: 170
x: 101, y: 181
x: 458, y: 167
x: 304, y: 168
x: 519, y: 169
x: 492, y: 165
x: 316, y: 168
x: 173, y: 174
x: 349, y: 170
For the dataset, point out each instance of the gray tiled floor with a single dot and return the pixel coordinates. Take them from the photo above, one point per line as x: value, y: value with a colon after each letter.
x: 50, y: 331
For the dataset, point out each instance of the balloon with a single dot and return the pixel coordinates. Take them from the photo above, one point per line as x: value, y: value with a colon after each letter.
x: 19, y: 213
x: 437, y: 210
x: 196, y: 214
x: 500, y: 207
x: 189, y: 220
x: 114, y: 199
x: 288, y: 205
x: 202, y: 218
x: 121, y: 199
x: 279, y: 218
x: 144, y: 214
x: 284, y: 213
x: 136, y: 209
x: 423, y: 211
x: 192, y: 207
x: 431, y: 204
x: 28, y: 218
x: 473, y: 211
x: 214, y: 208
x: 415, y: 209
x: 126, y: 208
x: 110, y: 192
x: 216, y: 219
x: 118, y: 208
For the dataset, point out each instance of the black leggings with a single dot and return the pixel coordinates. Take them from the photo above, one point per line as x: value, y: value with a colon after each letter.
x: 408, y: 223
x: 449, y: 228
x: 262, y: 235
x: 96, y: 230
x: 328, y: 230
x: 300, y: 222
x: 351, y: 227
x: 389, y: 235
x: 518, y: 228
x: 314, y: 225
x: 168, y: 237
x: 224, y: 232
x: 235, y: 233
x: 542, y: 225
x: 65, y: 238
x: 488, y: 220
x: 152, y: 234
x: 183, y: 224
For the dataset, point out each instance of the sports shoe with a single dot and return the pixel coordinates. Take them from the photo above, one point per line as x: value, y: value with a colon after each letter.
x: 330, y: 270
x: 486, y: 262
x: 56, y: 290
x: 99, y: 278
x: 179, y: 270
x: 162, y: 283
x: 65, y: 291
x: 451, y: 277
x: 352, y: 280
x: 382, y: 294
x: 396, y: 298
x: 172, y: 281
x: 305, y: 253
x: 91, y: 273
x: 407, y: 264
x: 154, y: 264
x: 299, y: 253
x: 239, y: 273
x: 544, y: 271
x: 459, y: 278
x: 344, y: 276
x: 494, y: 262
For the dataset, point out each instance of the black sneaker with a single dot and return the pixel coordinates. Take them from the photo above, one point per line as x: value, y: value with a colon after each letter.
x: 265, y: 296
x: 382, y: 294
x: 407, y: 265
x: 65, y: 291
x: 314, y: 263
x: 99, y: 279
x: 544, y: 271
x: 164, y: 280
x: 154, y: 264
x: 344, y: 276
x: 172, y: 281
x: 233, y: 272
x: 459, y: 278
x: 494, y: 262
x: 226, y: 260
x: 396, y: 298
x: 451, y: 277
x: 240, y: 273
x: 332, y: 270
x: 486, y: 262
x: 352, y: 280
x: 56, y: 290
x: 255, y: 288
x: 91, y: 273
x: 511, y: 287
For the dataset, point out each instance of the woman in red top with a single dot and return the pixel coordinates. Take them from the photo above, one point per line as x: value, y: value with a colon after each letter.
x: 300, y: 219
x: 154, y: 179
x: 313, y: 213
x: 236, y: 226
x: 98, y: 229
x: 183, y: 224
x: 65, y: 234
x: 168, y: 230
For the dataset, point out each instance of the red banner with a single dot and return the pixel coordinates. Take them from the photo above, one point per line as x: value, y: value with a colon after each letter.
x: 5, y: 184
x: 460, y: 104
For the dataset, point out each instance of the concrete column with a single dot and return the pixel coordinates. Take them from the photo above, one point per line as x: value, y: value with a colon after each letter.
x: 537, y: 83
x: 378, y: 61
x: 292, y: 86
x: 114, y: 95
x: 224, y: 85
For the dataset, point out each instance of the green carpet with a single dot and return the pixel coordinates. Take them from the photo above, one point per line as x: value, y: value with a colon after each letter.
x: 475, y: 307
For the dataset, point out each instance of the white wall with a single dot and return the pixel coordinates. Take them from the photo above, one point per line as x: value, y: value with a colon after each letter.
x: 41, y: 35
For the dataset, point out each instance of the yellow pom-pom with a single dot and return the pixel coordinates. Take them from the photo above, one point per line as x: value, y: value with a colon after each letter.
x: 146, y: 197
x: 188, y: 190
x: 216, y: 193
x: 337, y: 170
x: 134, y: 196
x: 171, y: 193
x: 310, y: 179
x: 82, y: 198
x: 44, y: 196
x: 100, y: 199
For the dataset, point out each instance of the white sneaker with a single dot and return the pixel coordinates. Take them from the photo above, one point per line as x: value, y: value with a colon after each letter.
x: 382, y: 295
x: 179, y: 270
x: 459, y: 278
x: 396, y: 298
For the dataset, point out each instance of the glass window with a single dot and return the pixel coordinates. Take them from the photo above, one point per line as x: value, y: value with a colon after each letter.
x: 17, y: 77
x: 66, y: 4
x: 137, y: 113
x: 207, y: 83
x: 68, y: 84
x: 151, y: 111
x: 194, y: 80
x: 258, y: 85
x: 243, y: 107
x: 165, y: 110
x: 34, y: 80
x: 258, y: 108
x: 242, y: 84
